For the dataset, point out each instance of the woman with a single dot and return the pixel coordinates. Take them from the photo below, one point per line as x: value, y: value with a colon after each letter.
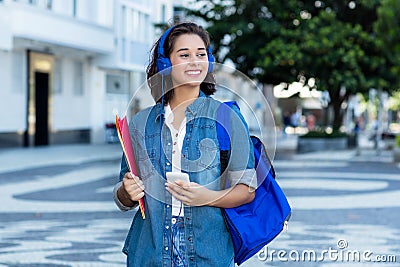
x: 184, y: 225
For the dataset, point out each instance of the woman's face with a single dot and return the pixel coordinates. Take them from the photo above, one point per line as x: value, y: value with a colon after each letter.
x: 189, y: 61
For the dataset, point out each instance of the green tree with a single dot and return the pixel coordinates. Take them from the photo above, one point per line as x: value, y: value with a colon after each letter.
x: 243, y: 27
x: 331, y: 41
x: 333, y: 53
x: 387, y: 28
x: 394, y: 103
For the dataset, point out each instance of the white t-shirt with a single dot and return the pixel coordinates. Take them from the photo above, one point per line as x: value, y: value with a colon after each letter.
x: 177, y: 142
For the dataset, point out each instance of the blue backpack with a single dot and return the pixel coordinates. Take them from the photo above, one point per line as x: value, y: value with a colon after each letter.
x: 270, y: 210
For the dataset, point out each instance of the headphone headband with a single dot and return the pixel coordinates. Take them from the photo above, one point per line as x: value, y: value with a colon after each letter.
x: 163, y: 63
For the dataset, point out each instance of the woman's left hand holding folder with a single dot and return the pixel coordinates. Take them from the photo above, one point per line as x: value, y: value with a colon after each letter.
x: 131, y: 191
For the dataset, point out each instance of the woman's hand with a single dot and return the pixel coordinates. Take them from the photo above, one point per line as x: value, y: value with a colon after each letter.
x: 191, y: 194
x: 131, y: 191
x: 194, y: 194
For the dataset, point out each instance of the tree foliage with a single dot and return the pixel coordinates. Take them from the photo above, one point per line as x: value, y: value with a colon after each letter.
x: 346, y: 46
x: 387, y: 29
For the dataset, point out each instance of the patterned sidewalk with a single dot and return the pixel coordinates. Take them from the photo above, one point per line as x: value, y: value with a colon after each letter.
x: 57, y: 209
x: 62, y: 215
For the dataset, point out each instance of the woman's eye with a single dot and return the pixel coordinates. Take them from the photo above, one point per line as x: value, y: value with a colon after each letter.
x: 202, y: 55
x: 184, y: 55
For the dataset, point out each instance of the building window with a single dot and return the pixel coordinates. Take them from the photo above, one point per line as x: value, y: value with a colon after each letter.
x: 47, y: 4
x: 116, y: 84
x: 74, y: 8
x: 18, y: 69
x: 123, y: 21
x: 78, y: 78
x: 135, y: 30
x: 123, y: 50
x: 135, y: 25
x: 163, y: 13
x: 57, y: 86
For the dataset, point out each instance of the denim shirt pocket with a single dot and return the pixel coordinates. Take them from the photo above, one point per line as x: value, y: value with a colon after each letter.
x: 208, y: 154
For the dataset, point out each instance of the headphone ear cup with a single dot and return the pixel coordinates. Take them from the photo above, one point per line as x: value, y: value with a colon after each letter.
x: 163, y: 65
x: 211, y: 59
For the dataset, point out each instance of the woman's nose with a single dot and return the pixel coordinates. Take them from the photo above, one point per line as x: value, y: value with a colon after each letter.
x: 193, y: 60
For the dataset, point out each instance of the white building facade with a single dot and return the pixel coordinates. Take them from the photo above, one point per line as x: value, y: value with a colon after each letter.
x: 68, y: 65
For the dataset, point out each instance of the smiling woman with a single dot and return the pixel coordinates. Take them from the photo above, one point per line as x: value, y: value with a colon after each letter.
x: 183, y: 48
x: 183, y: 223
x: 190, y: 64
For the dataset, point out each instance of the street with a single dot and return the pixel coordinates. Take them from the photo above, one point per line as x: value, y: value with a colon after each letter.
x: 57, y: 209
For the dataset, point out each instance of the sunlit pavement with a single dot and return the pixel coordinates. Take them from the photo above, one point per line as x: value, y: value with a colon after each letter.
x: 346, y: 210
x: 57, y: 209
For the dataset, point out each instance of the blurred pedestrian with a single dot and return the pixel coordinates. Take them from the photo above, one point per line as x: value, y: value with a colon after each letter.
x: 294, y: 120
x: 374, y: 133
x: 286, y: 121
x: 357, y: 130
x: 310, y: 122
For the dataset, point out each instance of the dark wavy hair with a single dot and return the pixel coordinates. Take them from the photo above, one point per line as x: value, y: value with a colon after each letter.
x: 154, y: 79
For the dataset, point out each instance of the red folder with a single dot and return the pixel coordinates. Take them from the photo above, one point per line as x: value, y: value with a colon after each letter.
x: 126, y: 143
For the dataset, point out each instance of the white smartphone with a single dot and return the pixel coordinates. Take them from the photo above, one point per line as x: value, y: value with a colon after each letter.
x: 172, y: 177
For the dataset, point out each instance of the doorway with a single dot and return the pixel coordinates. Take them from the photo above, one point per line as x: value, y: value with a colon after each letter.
x: 41, y: 109
x: 40, y: 69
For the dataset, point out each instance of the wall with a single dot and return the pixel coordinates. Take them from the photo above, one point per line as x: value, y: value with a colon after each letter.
x: 12, y: 92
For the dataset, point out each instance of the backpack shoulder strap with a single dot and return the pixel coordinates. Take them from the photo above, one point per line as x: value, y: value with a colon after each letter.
x: 224, y: 124
x: 223, y: 133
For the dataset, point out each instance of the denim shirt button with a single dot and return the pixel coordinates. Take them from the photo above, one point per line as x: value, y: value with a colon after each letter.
x: 167, y: 227
x: 191, y: 258
x: 190, y: 239
x: 187, y: 218
x: 166, y: 248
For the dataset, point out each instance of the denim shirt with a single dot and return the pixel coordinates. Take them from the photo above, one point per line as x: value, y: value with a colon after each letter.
x: 208, y: 242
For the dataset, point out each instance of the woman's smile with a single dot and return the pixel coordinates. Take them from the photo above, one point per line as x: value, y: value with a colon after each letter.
x: 193, y: 72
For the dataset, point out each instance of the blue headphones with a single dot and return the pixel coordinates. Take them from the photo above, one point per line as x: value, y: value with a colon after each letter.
x: 164, y: 64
